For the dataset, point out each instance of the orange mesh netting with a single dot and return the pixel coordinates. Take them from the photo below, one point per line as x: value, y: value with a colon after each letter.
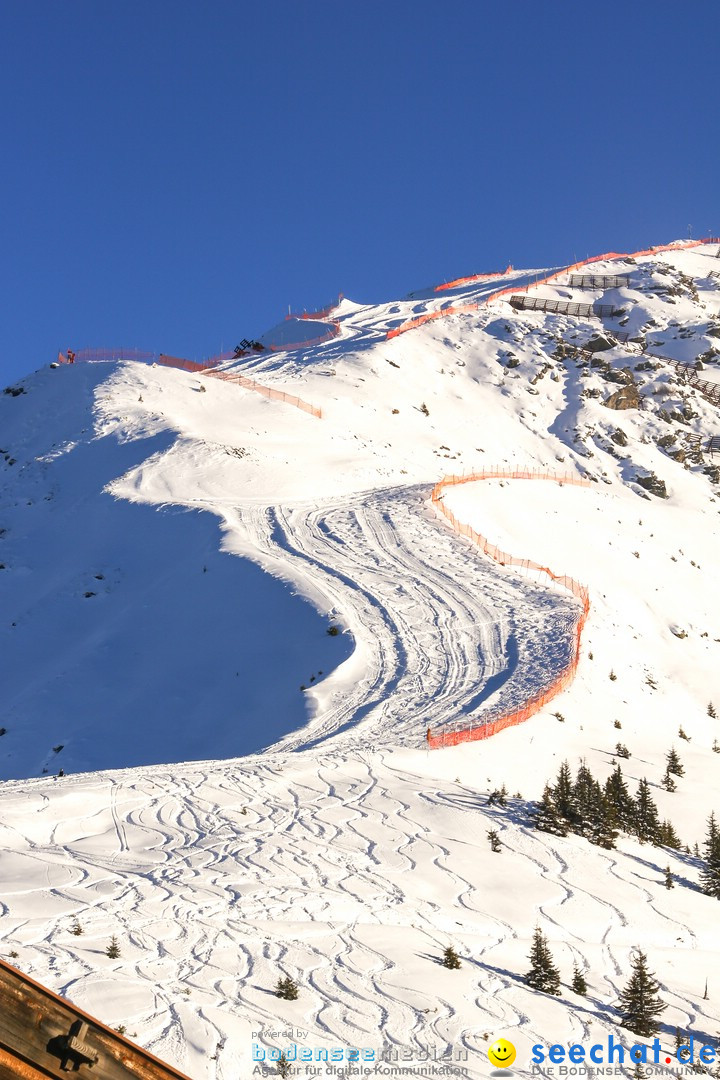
x: 456, y: 309
x: 493, y: 723
x: 266, y: 391
x: 473, y: 277
x: 332, y: 331
x: 208, y: 367
x: 411, y: 324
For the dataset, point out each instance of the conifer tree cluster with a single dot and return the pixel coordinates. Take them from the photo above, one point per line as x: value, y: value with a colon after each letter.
x: 599, y: 812
x: 544, y: 975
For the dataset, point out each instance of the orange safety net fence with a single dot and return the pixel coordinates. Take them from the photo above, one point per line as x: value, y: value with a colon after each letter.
x: 411, y: 324
x: 453, y: 309
x: 105, y: 356
x: 494, y: 722
x: 473, y: 277
x: 208, y: 367
x: 266, y: 391
x: 332, y: 331
x: 192, y: 365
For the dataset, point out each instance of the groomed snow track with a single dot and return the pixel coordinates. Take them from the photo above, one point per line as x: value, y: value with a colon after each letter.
x: 441, y: 632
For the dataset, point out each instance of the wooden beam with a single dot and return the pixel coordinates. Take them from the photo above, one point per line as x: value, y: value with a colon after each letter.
x: 43, y: 1035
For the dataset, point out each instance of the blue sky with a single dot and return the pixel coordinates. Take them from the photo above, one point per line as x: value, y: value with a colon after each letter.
x: 176, y: 174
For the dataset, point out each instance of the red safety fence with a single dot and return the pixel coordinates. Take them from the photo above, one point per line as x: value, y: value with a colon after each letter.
x: 208, y: 367
x: 420, y: 320
x: 494, y: 721
x: 322, y: 314
x: 105, y: 356
x: 191, y: 365
x: 454, y: 309
x: 473, y: 277
x: 609, y: 255
x: 266, y: 391
x: 332, y: 332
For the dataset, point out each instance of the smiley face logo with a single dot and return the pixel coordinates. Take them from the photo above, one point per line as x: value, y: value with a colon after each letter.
x: 501, y: 1053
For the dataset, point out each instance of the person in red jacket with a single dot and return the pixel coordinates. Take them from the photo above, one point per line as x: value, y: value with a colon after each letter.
x: 71, y: 356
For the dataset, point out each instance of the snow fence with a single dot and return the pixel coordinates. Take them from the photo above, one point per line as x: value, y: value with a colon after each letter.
x: 332, y: 332
x: 208, y: 367
x: 495, y: 722
x: 412, y: 324
x: 473, y: 277
x: 107, y: 356
x: 266, y: 391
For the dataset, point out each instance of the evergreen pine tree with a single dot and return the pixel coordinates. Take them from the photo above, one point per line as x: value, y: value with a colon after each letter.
x: 578, y: 981
x: 646, y: 825
x: 710, y: 872
x: 667, y: 782
x: 563, y: 794
x: 586, y: 794
x: 667, y: 837
x: 450, y: 959
x: 640, y: 1006
x: 603, y: 831
x: 494, y: 839
x: 674, y: 765
x: 286, y: 988
x: 669, y: 883
x: 711, y: 710
x: 283, y: 1066
x: 113, y: 949
x: 620, y: 801
x: 543, y: 975
x: 547, y: 818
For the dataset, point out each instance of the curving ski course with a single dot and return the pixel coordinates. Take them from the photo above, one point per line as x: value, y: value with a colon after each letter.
x: 441, y: 634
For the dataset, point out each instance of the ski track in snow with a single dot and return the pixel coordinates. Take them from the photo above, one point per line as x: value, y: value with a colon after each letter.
x: 435, y: 619
x: 343, y: 875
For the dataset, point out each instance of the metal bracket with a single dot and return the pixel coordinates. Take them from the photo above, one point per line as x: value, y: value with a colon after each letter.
x: 75, y: 1050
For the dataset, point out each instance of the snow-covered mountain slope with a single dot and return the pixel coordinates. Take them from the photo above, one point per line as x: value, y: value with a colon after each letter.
x: 115, y: 480
x: 331, y: 506
x: 350, y: 873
